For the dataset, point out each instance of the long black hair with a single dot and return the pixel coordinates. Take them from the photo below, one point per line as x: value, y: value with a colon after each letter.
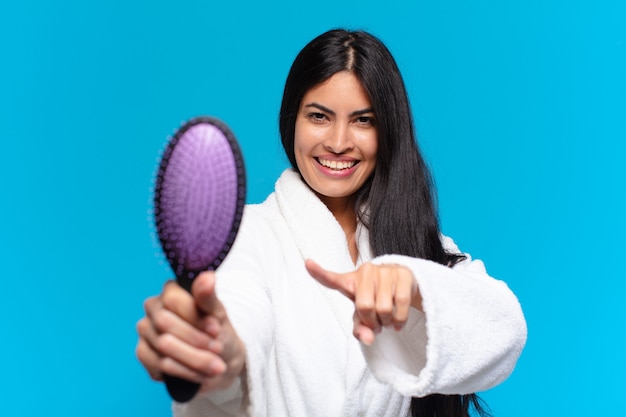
x: 399, y: 197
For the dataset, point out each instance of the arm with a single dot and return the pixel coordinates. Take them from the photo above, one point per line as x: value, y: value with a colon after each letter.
x: 468, y: 338
x: 463, y: 332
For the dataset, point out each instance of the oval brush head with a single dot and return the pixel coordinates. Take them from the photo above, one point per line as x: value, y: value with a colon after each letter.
x: 198, y: 204
x: 199, y: 197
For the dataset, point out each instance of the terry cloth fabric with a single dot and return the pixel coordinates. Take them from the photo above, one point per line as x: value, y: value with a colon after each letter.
x: 302, y: 359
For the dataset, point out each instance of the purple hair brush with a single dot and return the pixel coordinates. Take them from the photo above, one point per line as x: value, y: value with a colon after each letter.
x: 198, y: 203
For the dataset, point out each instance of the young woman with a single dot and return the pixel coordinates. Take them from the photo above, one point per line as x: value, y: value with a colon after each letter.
x: 340, y: 296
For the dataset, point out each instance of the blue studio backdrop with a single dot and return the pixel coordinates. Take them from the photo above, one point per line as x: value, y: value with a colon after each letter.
x: 520, y: 108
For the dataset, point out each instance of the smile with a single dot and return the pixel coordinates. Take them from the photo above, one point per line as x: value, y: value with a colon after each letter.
x: 337, y: 165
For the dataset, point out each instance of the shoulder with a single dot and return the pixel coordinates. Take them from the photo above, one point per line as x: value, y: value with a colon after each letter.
x: 288, y: 190
x: 261, y: 215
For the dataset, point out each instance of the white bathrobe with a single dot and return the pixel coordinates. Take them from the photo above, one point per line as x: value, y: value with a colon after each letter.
x: 302, y: 359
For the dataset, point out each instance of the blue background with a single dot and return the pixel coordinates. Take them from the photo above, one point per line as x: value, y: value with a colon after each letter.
x: 520, y: 108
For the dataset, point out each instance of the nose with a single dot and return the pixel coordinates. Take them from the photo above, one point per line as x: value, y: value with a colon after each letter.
x: 339, y: 139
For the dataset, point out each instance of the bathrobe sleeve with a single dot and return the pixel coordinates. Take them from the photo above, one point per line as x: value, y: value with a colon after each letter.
x: 467, y: 340
x: 243, y: 289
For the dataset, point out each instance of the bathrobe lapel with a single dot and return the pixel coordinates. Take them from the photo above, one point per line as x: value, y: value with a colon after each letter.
x: 319, y: 237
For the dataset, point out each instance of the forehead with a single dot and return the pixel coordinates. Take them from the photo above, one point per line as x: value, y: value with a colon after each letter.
x: 341, y: 89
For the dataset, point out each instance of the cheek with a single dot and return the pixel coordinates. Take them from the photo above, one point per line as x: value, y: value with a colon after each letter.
x: 299, y: 137
x: 298, y: 150
x: 373, y: 151
x: 306, y: 138
x: 369, y: 146
x: 301, y: 150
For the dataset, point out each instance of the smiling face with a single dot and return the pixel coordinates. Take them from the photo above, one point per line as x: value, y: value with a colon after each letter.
x: 335, y: 138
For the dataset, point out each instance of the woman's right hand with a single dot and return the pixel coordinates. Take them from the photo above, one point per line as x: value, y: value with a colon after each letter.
x: 189, y: 336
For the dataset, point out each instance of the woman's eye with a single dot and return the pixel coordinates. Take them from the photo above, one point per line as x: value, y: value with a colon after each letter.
x: 365, y: 121
x: 317, y: 117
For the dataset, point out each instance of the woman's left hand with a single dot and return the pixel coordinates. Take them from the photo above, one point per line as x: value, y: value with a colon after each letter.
x: 382, y: 295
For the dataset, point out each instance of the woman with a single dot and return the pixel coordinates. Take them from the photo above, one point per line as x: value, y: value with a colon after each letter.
x: 263, y: 337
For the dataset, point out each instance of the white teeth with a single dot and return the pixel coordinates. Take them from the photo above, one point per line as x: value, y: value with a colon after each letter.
x: 336, y: 164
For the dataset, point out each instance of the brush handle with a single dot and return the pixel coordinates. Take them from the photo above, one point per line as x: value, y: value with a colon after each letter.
x: 180, y: 389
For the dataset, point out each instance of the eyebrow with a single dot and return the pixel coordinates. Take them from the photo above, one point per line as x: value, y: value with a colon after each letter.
x: 327, y: 110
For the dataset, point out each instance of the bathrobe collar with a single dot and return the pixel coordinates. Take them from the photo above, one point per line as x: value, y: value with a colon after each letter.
x: 304, y: 212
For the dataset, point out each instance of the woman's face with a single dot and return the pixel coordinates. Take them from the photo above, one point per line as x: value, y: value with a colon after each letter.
x: 335, y: 138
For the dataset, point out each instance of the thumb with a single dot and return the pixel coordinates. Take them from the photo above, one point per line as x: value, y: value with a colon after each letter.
x: 329, y: 279
x: 203, y: 291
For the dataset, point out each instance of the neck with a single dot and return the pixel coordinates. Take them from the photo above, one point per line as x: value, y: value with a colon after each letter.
x: 345, y: 214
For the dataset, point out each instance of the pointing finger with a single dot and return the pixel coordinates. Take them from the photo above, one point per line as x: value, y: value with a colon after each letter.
x: 340, y: 282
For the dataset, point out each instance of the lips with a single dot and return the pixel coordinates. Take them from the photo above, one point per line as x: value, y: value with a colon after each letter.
x: 336, y: 165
